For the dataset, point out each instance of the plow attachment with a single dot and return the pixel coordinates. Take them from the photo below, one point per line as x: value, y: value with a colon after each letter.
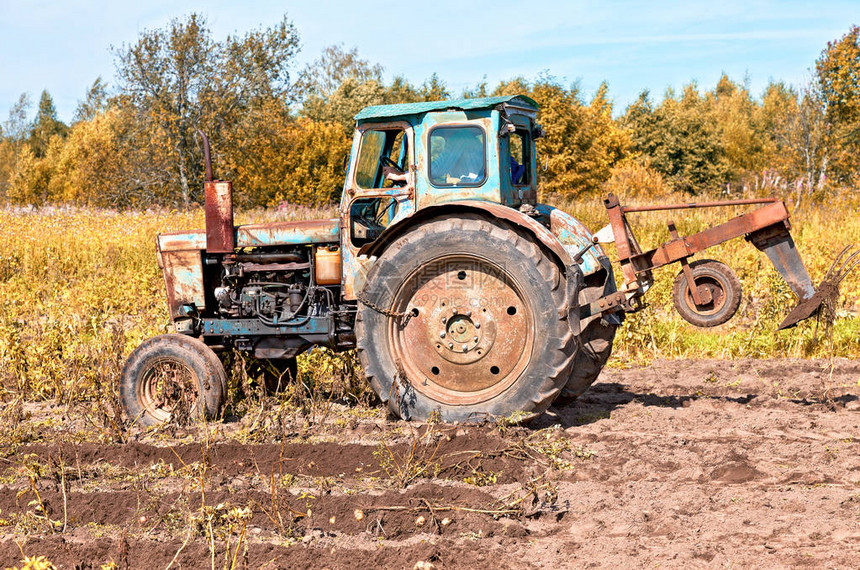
x: 707, y: 293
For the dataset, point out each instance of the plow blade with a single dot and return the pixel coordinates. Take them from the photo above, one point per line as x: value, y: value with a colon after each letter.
x: 827, y: 290
x: 776, y: 242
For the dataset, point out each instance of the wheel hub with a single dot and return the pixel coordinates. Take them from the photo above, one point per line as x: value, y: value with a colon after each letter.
x: 709, y: 289
x: 463, y: 336
x: 471, y: 336
x: 169, y: 387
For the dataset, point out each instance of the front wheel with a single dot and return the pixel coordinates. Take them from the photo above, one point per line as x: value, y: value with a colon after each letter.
x: 172, y: 378
x: 479, y: 333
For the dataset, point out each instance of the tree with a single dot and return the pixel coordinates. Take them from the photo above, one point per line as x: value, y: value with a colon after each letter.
x: 345, y: 102
x: 282, y: 159
x: 680, y: 139
x: 95, y: 102
x: 17, y: 127
x: 339, y: 84
x: 582, y: 141
x: 733, y: 113
x: 105, y: 163
x: 480, y: 90
x: 838, y: 74
x: 163, y: 76
x: 401, y: 91
x: 838, y: 70
x: 14, y: 131
x: 45, y: 126
x: 799, y: 130
x: 178, y: 79
x: 327, y: 73
x: 433, y: 89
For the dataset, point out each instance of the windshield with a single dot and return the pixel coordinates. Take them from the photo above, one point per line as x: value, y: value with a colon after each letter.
x: 457, y: 156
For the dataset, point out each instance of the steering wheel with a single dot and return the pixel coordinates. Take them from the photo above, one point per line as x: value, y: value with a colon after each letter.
x: 387, y: 162
x: 384, y: 160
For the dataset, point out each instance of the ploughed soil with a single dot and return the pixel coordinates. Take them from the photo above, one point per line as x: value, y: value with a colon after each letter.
x: 698, y: 464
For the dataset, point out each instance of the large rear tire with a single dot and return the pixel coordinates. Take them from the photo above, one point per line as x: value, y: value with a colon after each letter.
x: 596, y: 337
x: 482, y: 336
x: 172, y: 377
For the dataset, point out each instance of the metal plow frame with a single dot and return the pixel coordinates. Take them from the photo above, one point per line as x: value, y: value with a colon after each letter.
x: 767, y: 228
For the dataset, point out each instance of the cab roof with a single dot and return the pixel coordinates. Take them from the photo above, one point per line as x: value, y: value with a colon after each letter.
x: 404, y: 109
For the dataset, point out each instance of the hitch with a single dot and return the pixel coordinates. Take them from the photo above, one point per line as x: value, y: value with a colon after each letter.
x: 707, y: 293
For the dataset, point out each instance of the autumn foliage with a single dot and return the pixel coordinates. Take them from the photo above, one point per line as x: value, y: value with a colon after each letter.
x: 282, y: 136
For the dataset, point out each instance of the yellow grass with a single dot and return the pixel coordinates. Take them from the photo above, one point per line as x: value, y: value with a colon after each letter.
x: 81, y: 289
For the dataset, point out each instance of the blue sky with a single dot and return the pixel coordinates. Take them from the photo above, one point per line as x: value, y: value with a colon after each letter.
x: 63, y: 46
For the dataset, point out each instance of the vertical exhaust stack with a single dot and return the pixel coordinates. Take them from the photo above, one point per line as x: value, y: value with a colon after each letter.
x: 220, y: 237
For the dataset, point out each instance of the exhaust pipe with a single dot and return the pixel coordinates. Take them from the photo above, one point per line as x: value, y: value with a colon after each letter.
x: 220, y: 236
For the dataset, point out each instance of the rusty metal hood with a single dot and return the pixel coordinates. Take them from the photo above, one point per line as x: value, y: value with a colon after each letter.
x: 256, y: 235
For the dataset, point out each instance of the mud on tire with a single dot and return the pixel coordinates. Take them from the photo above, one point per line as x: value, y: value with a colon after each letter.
x: 172, y: 378
x: 483, y: 337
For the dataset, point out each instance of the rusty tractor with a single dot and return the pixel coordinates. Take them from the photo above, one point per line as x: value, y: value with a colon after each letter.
x: 463, y: 296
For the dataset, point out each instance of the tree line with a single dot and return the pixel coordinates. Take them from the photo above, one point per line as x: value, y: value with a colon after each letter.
x: 283, y: 136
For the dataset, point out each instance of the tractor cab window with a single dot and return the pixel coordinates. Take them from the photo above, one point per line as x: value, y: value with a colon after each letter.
x: 383, y: 160
x: 458, y: 156
x: 519, y: 160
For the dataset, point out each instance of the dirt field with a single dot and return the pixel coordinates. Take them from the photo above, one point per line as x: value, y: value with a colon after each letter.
x: 679, y: 464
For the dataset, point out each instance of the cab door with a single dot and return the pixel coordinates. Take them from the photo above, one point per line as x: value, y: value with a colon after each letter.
x: 379, y: 190
x: 518, y: 161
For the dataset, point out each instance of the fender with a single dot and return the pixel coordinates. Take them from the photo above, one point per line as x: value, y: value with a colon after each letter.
x: 564, y: 237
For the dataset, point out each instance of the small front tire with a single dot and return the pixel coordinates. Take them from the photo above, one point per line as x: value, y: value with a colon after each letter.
x: 172, y: 378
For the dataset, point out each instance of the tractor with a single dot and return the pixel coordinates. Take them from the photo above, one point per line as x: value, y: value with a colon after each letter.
x: 464, y: 297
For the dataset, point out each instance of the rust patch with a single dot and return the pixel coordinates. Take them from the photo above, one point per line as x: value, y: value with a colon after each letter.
x: 183, y: 279
x: 285, y: 233
x: 219, y: 217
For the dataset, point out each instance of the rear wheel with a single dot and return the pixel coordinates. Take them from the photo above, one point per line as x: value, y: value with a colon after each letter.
x: 596, y: 348
x: 172, y: 378
x: 482, y: 335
